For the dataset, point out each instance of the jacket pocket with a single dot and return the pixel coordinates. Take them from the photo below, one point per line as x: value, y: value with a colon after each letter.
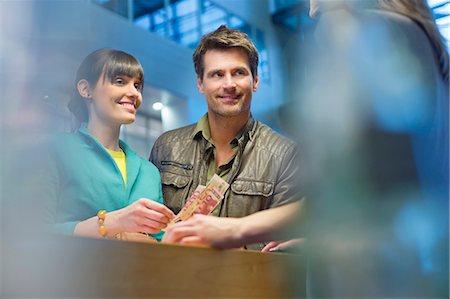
x: 252, y: 188
x: 175, y: 179
x: 248, y: 197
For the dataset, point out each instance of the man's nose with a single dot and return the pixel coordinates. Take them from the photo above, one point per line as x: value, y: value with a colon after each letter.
x: 229, y: 81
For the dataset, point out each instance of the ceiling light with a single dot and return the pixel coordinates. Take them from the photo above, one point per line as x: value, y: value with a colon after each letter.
x: 157, y: 106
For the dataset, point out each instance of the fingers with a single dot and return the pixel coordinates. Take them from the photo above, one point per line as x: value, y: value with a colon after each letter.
x: 184, y: 236
x: 150, y: 226
x: 152, y: 210
x: 283, y: 245
x: 158, y: 207
x: 175, y: 233
x: 156, y: 216
x: 144, y: 215
x: 270, y: 247
x: 193, y: 240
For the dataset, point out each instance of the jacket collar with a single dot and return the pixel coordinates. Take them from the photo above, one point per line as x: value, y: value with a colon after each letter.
x: 85, y: 132
x: 133, y: 160
x: 202, y: 130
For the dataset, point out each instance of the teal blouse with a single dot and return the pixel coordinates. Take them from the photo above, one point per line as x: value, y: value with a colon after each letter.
x: 85, y: 179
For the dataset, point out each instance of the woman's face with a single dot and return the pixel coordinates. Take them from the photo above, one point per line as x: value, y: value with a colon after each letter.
x: 115, y: 102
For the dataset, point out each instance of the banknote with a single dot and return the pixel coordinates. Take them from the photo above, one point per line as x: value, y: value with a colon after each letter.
x: 193, y: 198
x: 204, y: 199
x: 209, y: 203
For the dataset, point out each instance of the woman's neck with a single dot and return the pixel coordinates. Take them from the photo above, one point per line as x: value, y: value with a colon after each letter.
x: 107, y: 135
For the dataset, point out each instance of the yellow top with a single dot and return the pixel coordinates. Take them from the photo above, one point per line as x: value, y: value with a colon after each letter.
x: 120, y: 159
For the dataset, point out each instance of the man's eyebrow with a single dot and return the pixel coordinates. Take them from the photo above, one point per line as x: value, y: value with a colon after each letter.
x: 214, y: 71
x: 241, y: 68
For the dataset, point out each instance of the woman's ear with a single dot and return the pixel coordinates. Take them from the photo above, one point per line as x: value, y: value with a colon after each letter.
x: 83, y: 89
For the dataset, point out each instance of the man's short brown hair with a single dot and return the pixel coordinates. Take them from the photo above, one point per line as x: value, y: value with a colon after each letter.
x: 225, y: 38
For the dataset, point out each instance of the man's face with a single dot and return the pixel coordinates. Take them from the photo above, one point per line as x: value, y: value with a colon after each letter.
x: 227, y: 82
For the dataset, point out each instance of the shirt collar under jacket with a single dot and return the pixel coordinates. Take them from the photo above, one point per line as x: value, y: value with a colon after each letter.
x: 202, y: 129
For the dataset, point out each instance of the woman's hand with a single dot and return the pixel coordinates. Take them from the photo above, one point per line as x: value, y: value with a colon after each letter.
x: 143, y: 216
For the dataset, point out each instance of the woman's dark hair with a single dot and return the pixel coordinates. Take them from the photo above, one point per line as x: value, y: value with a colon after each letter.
x: 420, y: 12
x: 110, y: 62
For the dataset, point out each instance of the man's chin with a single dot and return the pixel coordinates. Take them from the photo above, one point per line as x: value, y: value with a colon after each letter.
x: 230, y: 113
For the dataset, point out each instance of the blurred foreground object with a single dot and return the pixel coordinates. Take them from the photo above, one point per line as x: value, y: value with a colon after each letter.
x: 374, y: 125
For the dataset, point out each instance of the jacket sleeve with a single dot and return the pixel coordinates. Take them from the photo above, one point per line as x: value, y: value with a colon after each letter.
x: 154, y: 153
x: 287, y: 187
x: 49, y: 191
x: 159, y: 236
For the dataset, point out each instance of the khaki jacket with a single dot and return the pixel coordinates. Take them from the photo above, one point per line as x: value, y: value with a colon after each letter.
x: 263, y: 175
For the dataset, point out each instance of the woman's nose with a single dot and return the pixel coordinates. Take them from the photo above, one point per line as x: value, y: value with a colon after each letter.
x: 133, y: 90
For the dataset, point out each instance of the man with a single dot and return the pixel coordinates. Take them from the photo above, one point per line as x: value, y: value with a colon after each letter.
x: 259, y: 164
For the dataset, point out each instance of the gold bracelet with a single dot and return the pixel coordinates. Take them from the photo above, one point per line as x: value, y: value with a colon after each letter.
x: 101, y: 220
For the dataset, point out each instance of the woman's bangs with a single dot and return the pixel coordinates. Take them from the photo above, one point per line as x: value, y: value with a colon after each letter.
x: 124, y: 66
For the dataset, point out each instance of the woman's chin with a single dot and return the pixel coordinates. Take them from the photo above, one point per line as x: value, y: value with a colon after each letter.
x: 129, y: 120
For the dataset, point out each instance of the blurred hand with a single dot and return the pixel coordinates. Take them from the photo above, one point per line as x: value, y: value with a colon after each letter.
x: 294, y: 244
x: 205, y: 230
x: 142, y: 216
x: 313, y: 9
x: 135, y: 237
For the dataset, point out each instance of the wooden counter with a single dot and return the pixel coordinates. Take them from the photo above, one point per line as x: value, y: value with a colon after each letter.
x: 65, y: 266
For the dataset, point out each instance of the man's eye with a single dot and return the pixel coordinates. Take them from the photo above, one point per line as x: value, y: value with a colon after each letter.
x: 217, y: 75
x: 240, y: 73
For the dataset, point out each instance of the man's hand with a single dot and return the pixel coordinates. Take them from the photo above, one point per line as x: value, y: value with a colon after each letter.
x: 294, y: 245
x: 206, y: 231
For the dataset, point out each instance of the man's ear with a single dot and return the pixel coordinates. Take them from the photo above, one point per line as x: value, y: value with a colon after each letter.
x: 255, y: 83
x: 83, y: 89
x: 200, y: 85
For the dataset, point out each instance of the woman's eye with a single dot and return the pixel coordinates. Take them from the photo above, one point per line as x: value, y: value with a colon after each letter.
x: 138, y: 86
x: 119, y: 81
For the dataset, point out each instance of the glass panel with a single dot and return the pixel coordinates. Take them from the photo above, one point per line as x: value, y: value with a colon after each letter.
x: 118, y: 6
x: 159, y: 16
x: 212, y: 13
x: 235, y: 22
x: 187, y: 23
x: 186, y: 7
x: 184, y: 28
x: 143, y: 22
x: 190, y: 39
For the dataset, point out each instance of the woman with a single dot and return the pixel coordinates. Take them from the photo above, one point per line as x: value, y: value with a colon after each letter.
x: 100, y: 186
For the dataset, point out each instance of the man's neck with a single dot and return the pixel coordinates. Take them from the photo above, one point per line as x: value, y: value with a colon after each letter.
x: 224, y: 129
